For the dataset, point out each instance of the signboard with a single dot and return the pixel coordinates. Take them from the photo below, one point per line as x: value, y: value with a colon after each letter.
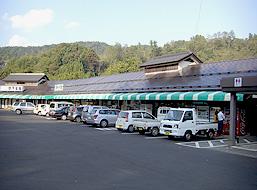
x: 58, y: 87
x: 12, y: 88
x: 238, y: 82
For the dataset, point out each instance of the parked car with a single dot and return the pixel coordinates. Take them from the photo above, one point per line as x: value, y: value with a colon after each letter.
x: 126, y: 119
x: 182, y: 122
x: 60, y: 113
x: 148, y: 123
x: 102, y: 117
x: 46, y: 110
x: 23, y: 107
x: 75, y: 113
x: 87, y: 110
x: 56, y: 105
x: 39, y: 108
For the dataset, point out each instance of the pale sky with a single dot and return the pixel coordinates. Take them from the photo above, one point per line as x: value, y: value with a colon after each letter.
x: 34, y: 22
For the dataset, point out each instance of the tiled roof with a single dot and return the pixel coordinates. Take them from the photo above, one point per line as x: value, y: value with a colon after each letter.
x: 24, y: 77
x: 173, y: 58
x: 198, y: 77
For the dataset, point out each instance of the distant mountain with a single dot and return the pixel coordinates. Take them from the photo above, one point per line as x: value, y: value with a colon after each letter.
x: 7, y: 53
x: 85, y: 59
x: 62, y: 61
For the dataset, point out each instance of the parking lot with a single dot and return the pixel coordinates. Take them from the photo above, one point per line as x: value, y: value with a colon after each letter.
x: 41, y: 153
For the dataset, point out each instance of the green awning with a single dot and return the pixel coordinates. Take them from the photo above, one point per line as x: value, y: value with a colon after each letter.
x: 191, y: 96
x: 197, y: 96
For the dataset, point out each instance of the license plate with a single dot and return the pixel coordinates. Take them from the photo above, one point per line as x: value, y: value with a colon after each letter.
x: 120, y: 126
x: 167, y: 133
x: 140, y: 128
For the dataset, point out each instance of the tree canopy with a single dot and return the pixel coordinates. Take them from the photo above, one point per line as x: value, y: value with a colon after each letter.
x: 87, y: 59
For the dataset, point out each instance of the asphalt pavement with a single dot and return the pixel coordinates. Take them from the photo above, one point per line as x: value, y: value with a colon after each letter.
x: 37, y: 153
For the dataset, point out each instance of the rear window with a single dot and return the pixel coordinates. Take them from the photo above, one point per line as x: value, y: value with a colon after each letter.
x: 164, y: 111
x: 123, y: 115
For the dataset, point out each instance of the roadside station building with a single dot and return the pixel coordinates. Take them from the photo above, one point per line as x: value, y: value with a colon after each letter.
x: 178, y: 80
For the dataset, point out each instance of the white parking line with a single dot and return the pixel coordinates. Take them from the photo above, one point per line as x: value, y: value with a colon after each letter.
x: 242, y: 148
x: 106, y: 129
x: 247, y: 141
x: 100, y: 129
x: 50, y: 118
x: 129, y: 133
x: 160, y: 137
x: 197, y: 144
x: 210, y: 143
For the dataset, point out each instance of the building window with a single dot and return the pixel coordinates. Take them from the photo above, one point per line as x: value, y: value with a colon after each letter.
x: 20, y: 82
x: 161, y: 69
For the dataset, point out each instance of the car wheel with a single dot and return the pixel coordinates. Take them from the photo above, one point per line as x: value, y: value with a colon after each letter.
x: 104, y: 123
x: 39, y: 113
x: 78, y: 119
x: 142, y: 132
x: 188, y: 136
x: 64, y: 117
x: 18, y: 112
x: 210, y: 134
x: 131, y: 129
x: 154, y: 131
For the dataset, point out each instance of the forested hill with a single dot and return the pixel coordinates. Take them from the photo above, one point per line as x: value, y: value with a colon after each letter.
x: 7, y: 53
x: 86, y: 59
x: 63, y: 61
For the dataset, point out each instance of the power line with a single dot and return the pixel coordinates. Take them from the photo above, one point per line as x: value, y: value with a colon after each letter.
x: 198, y: 19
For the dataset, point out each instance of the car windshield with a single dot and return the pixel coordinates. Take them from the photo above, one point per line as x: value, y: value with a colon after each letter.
x: 174, y: 115
x: 16, y: 104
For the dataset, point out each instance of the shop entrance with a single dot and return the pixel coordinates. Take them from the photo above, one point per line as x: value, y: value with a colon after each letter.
x: 248, y: 87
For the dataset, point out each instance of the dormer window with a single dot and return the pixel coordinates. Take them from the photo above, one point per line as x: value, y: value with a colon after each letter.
x: 170, y: 63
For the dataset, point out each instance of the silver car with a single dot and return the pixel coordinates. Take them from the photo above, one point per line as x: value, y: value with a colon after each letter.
x: 103, y: 117
x: 23, y: 107
x: 88, y: 110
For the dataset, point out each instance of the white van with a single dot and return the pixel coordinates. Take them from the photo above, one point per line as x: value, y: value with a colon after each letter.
x: 55, y: 105
x: 126, y: 119
x: 162, y: 112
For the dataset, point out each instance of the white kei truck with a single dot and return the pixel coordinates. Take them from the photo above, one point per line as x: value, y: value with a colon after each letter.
x: 151, y: 125
x: 182, y: 122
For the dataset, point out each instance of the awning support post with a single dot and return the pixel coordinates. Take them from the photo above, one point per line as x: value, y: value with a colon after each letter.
x: 232, y: 129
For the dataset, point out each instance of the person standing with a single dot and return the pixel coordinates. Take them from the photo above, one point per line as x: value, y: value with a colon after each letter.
x: 221, y: 118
